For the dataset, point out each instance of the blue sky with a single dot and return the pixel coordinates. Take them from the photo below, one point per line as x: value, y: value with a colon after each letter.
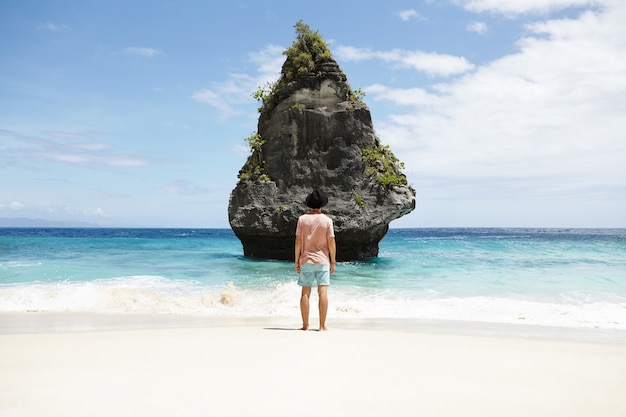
x: 134, y: 113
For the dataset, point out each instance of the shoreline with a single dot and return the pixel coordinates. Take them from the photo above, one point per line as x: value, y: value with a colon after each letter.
x: 74, y: 322
x: 244, y: 367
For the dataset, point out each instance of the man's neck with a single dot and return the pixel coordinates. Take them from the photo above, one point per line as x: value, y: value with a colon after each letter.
x: 316, y: 211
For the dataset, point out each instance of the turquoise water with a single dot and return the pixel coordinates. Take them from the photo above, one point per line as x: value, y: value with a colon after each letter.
x: 571, y: 278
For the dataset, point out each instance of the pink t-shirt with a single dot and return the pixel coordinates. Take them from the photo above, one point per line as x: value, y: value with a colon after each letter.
x: 315, y: 229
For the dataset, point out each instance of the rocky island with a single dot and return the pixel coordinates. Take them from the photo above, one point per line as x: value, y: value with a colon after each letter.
x: 314, y: 131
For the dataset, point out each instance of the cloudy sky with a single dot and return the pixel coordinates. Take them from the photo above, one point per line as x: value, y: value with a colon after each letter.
x: 134, y: 113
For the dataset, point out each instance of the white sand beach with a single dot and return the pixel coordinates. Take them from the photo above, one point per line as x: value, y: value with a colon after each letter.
x: 257, y: 368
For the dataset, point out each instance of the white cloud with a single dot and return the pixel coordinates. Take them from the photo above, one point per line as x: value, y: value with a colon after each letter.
x: 72, y: 212
x: 404, y: 96
x: 209, y: 96
x: 227, y: 95
x: 86, y: 158
x: 16, y: 205
x: 88, y: 154
x: 184, y: 187
x: 508, y: 7
x: 53, y: 27
x: 406, y: 15
x: 478, y: 27
x: 549, y: 119
x: 97, y: 212
x: 67, y: 147
x: 142, y: 51
x: 241, y: 150
x: 269, y: 62
x: 430, y: 63
x: 238, y: 88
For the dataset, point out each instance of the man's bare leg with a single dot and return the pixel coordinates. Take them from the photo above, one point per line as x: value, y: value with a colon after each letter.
x: 322, y: 290
x: 304, y: 307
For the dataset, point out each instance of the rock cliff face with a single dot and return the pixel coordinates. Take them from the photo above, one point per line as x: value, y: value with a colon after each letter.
x: 316, y: 133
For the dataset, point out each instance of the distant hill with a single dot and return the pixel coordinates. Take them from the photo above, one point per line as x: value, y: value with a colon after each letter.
x: 26, y: 222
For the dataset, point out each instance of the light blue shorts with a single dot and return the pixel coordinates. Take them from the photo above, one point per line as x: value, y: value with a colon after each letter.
x: 312, y: 275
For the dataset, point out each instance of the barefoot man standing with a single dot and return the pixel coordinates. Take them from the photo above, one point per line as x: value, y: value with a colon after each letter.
x: 315, y: 256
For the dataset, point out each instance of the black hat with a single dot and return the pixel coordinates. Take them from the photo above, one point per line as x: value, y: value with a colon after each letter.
x: 317, y: 199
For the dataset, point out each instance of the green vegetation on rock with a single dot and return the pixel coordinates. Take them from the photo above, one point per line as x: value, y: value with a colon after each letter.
x: 307, y: 52
x: 254, y: 169
x: 359, y: 200
x: 383, y: 166
x: 304, y: 56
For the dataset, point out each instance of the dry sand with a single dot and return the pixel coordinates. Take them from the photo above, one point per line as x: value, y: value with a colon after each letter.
x: 246, y: 368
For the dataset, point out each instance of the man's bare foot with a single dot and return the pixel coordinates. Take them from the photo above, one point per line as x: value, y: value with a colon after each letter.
x: 304, y: 328
x: 323, y: 329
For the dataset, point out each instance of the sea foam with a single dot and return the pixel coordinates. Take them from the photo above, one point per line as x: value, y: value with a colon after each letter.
x: 158, y: 295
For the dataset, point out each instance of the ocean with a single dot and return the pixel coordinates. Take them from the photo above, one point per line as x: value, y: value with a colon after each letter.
x: 572, y: 278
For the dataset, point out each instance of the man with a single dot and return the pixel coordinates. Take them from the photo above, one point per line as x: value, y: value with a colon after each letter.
x: 315, y: 256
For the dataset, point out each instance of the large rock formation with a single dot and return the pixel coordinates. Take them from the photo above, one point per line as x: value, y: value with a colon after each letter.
x: 315, y: 132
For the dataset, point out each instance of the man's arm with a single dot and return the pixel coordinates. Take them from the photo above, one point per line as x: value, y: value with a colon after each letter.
x: 298, y: 252
x: 332, y: 250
